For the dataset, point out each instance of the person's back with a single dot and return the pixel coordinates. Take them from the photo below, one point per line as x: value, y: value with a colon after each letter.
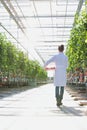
x: 61, y: 60
x: 61, y: 63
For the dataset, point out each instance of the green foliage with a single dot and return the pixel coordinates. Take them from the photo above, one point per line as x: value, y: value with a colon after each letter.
x: 2, y: 51
x: 16, y: 63
x: 77, y: 44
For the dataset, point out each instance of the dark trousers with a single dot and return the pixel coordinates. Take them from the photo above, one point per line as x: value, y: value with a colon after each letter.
x: 59, y: 91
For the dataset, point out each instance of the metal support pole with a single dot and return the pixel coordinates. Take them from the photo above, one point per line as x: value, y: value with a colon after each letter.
x: 86, y: 6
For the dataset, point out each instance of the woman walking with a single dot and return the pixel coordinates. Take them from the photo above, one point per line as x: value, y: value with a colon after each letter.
x: 61, y: 63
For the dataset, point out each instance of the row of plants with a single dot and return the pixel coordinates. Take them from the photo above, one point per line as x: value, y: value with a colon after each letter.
x: 77, y: 45
x: 15, y: 66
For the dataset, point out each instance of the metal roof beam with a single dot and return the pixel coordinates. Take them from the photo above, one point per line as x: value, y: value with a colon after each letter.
x: 56, y: 35
x: 10, y: 12
x: 12, y: 36
x: 53, y: 41
x: 79, y: 6
x: 46, y: 16
x: 39, y: 55
x: 54, y: 27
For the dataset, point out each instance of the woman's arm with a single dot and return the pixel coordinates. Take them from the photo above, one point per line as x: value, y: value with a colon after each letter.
x: 49, y: 61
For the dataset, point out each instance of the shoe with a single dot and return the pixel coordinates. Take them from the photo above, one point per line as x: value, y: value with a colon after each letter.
x: 59, y: 101
x: 58, y: 104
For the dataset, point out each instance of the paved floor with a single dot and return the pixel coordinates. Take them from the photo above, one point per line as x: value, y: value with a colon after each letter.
x: 36, y: 109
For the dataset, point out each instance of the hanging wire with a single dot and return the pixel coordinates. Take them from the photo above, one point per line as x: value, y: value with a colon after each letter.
x: 38, y: 17
x: 65, y: 19
x: 51, y: 16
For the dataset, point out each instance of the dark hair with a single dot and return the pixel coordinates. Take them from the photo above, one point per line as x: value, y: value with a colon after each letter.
x: 61, y: 48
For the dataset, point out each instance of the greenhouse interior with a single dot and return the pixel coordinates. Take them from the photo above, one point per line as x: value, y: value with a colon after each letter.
x: 30, y: 32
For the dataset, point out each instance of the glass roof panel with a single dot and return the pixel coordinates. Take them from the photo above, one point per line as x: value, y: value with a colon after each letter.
x: 38, y: 26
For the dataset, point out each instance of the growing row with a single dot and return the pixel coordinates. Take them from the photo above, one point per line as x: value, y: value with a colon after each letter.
x: 77, y: 44
x: 16, y: 67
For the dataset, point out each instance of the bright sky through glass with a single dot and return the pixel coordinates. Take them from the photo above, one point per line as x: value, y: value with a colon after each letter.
x: 38, y: 26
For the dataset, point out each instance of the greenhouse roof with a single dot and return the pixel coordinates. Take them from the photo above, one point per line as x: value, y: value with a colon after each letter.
x: 38, y: 26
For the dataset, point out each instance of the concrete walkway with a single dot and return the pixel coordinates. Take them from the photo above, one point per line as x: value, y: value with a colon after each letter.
x: 36, y: 109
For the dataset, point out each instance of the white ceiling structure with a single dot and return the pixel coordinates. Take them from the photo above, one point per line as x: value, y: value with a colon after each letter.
x: 38, y: 26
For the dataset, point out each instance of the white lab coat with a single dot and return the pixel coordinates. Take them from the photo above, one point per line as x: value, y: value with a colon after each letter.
x: 61, y: 63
